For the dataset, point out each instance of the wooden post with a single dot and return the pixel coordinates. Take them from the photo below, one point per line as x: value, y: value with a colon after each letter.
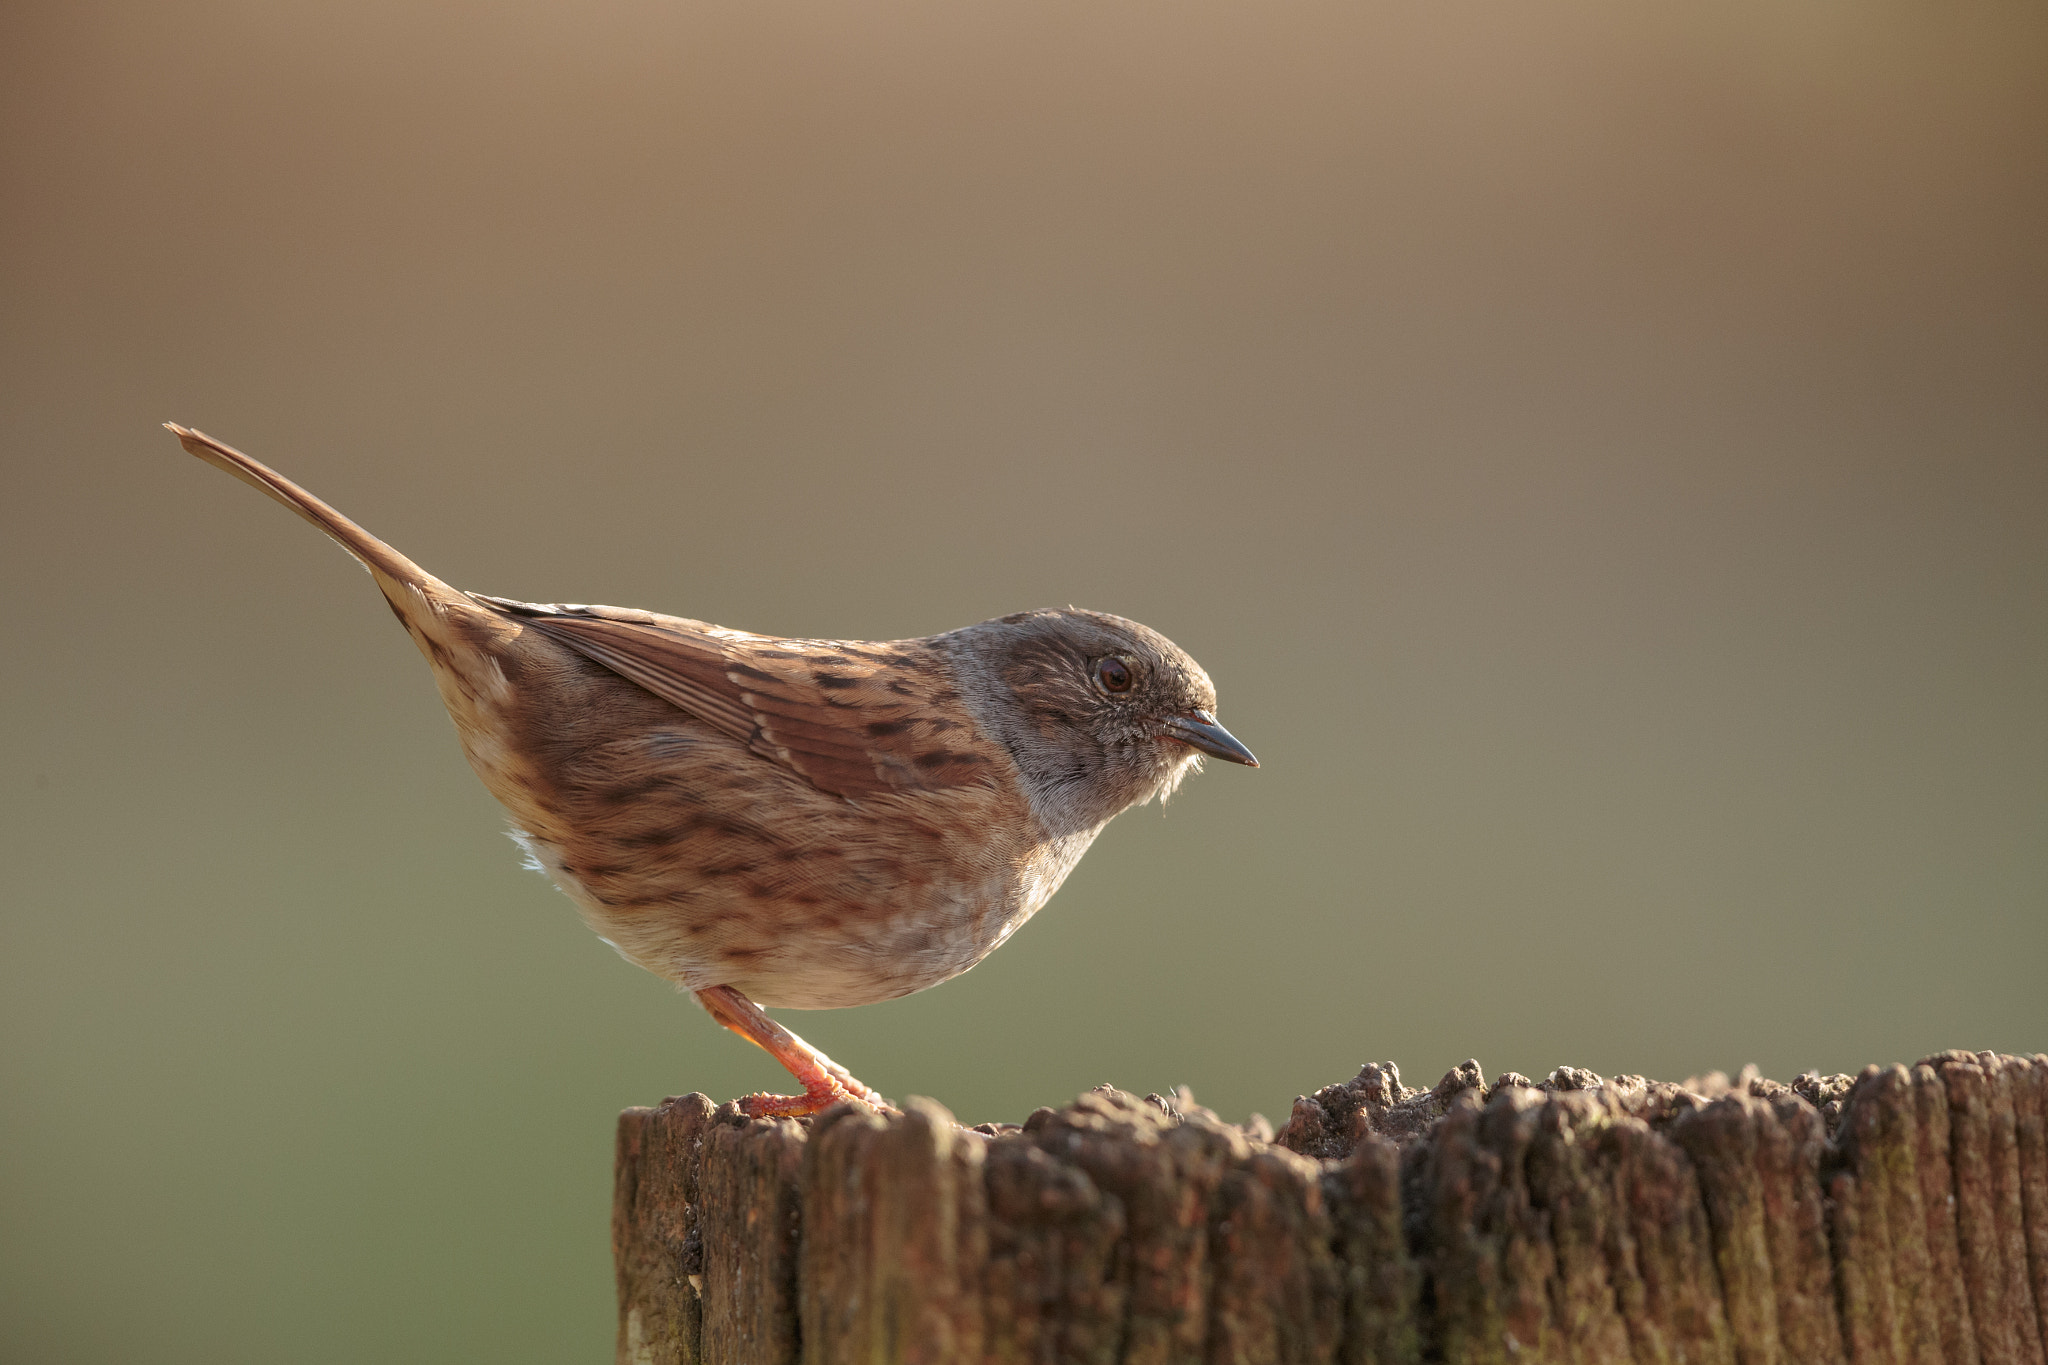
x: 1899, y: 1218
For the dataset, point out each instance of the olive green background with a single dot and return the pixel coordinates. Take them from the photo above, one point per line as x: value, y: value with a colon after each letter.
x: 1599, y: 450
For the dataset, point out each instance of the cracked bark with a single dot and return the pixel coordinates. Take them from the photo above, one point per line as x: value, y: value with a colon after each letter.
x: 1899, y: 1216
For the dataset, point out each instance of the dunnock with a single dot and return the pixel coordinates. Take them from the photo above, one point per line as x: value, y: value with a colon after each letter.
x: 802, y: 823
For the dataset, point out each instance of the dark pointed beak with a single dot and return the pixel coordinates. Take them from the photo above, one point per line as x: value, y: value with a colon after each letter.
x: 1199, y: 730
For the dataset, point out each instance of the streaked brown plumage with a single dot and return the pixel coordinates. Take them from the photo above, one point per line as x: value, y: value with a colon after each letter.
x: 805, y: 823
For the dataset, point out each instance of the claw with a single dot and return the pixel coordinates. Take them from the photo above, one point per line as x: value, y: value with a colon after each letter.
x: 766, y: 1106
x: 825, y: 1082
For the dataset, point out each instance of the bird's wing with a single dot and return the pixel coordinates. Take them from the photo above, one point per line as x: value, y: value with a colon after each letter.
x: 854, y: 719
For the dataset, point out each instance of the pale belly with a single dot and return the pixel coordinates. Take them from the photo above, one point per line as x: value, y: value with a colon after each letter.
x: 829, y: 960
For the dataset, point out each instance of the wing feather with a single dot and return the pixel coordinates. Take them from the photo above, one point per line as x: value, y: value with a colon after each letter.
x: 837, y: 713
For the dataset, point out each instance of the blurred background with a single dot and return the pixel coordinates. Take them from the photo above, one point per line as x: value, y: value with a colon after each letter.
x: 1600, y: 451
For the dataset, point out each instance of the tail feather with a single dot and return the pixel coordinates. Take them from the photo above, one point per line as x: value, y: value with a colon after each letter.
x: 450, y: 627
x: 392, y: 569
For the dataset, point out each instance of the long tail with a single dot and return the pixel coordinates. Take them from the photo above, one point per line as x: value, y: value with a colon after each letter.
x: 449, y: 626
x: 390, y: 568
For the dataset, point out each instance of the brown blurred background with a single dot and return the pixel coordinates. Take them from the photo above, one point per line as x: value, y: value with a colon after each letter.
x: 1599, y: 450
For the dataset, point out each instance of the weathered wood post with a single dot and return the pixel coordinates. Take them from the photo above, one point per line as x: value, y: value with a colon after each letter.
x: 1898, y: 1218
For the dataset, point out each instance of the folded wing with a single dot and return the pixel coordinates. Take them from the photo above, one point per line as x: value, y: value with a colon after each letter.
x: 854, y: 719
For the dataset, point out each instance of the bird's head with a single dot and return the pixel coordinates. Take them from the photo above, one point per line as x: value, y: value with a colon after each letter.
x: 1098, y: 712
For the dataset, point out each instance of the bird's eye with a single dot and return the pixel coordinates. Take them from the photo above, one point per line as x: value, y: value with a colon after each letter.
x: 1113, y: 674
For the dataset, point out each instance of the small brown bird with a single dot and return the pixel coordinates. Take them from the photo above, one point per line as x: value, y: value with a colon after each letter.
x: 801, y: 823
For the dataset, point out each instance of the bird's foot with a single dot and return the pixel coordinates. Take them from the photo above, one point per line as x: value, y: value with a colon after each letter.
x: 825, y: 1082
x: 867, y: 1095
x: 814, y: 1100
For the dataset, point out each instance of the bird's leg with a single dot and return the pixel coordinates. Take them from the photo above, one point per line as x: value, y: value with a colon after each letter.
x: 825, y: 1082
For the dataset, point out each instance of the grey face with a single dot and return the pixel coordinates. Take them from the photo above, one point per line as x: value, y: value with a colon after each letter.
x: 1098, y: 712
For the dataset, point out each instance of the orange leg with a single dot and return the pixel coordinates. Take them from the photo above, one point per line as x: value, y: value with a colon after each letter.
x: 825, y: 1082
